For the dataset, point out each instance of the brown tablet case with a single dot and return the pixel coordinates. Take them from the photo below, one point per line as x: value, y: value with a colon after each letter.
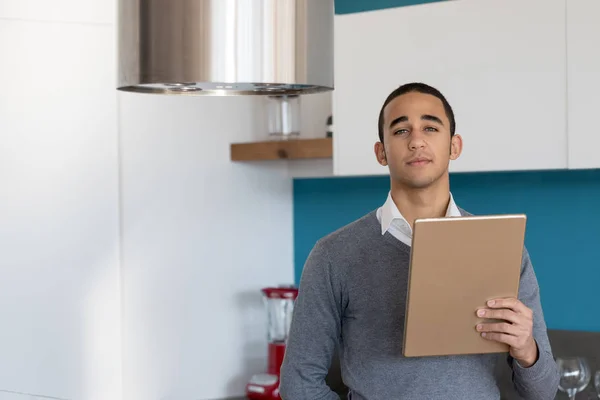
x: 458, y: 264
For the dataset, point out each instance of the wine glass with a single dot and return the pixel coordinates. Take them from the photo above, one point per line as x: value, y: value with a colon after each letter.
x: 575, y: 375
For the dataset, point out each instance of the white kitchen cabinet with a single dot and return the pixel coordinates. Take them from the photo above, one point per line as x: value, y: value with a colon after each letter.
x: 61, y: 11
x: 500, y: 63
x: 583, y: 77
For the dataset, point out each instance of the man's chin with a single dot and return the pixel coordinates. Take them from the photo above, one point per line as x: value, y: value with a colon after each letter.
x: 422, y: 182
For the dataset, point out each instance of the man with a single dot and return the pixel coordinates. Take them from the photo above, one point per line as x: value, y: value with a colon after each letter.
x: 353, y: 287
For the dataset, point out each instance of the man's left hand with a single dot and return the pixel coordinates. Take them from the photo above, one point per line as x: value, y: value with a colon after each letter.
x: 516, y: 329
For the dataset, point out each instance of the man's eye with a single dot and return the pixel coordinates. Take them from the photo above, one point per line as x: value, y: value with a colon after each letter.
x: 431, y: 129
x: 400, y: 131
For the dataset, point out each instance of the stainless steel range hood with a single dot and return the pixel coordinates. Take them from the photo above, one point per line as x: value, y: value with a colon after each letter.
x: 226, y: 47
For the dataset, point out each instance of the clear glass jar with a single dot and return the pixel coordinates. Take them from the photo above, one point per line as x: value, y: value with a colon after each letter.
x: 279, y: 304
x: 283, y: 113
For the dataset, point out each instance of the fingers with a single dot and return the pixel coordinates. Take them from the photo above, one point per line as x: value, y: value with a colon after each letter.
x: 504, y: 314
x: 499, y: 327
x: 508, y: 309
x: 514, y: 327
x: 510, y: 303
x: 500, y: 337
x: 517, y: 337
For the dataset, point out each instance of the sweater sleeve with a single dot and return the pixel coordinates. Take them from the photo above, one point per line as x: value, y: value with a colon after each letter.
x: 539, y: 381
x: 314, y: 332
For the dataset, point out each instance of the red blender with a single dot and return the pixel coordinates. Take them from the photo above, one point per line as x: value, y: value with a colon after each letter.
x: 279, y: 302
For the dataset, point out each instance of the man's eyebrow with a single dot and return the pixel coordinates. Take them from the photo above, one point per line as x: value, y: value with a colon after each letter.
x: 427, y: 117
x: 424, y: 117
x: 395, y: 121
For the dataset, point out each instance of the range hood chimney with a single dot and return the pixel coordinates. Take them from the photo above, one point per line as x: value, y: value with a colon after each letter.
x: 226, y: 47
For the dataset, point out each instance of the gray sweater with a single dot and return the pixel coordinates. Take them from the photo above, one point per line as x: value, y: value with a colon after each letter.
x: 352, y: 298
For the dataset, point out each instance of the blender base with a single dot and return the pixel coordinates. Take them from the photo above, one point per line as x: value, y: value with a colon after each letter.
x: 263, y: 387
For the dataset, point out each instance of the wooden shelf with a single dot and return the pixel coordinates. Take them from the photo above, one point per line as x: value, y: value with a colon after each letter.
x: 292, y: 149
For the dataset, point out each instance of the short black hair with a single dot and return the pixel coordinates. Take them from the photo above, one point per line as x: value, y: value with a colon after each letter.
x: 419, y: 88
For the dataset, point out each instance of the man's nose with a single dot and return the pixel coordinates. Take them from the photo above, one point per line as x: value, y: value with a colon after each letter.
x: 416, y: 141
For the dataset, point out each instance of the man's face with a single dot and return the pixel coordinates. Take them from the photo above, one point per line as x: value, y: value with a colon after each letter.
x: 417, y: 143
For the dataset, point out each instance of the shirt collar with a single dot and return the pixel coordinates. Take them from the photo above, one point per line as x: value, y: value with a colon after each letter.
x: 389, y: 212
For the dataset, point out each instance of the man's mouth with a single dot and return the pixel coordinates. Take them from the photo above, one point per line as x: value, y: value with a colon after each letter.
x: 419, y: 161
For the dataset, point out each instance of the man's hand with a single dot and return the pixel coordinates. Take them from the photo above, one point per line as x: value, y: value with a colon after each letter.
x: 516, y: 330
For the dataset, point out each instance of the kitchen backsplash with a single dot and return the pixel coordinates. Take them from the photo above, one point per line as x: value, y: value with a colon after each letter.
x: 563, y: 228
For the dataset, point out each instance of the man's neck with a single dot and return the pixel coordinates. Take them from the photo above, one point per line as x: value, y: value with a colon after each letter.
x: 430, y: 202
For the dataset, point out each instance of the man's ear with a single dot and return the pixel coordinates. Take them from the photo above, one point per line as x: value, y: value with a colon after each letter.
x: 456, y: 145
x: 380, y: 153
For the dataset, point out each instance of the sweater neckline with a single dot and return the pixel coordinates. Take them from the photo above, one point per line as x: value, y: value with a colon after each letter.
x: 388, y: 236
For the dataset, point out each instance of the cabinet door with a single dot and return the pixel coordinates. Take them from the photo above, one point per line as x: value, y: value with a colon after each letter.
x: 583, y: 77
x: 500, y: 63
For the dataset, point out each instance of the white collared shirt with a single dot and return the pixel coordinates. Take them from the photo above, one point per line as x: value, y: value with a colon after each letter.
x: 392, y: 220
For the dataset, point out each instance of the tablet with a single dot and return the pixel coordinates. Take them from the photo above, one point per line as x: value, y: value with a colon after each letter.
x: 457, y: 264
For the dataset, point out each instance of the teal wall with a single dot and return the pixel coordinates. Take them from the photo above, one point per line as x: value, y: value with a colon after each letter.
x: 353, y: 6
x: 563, y: 231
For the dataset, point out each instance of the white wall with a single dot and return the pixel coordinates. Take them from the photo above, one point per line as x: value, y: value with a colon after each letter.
x: 145, y: 287
x: 201, y: 236
x: 59, y: 269
x: 583, y: 33
x: 489, y: 66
